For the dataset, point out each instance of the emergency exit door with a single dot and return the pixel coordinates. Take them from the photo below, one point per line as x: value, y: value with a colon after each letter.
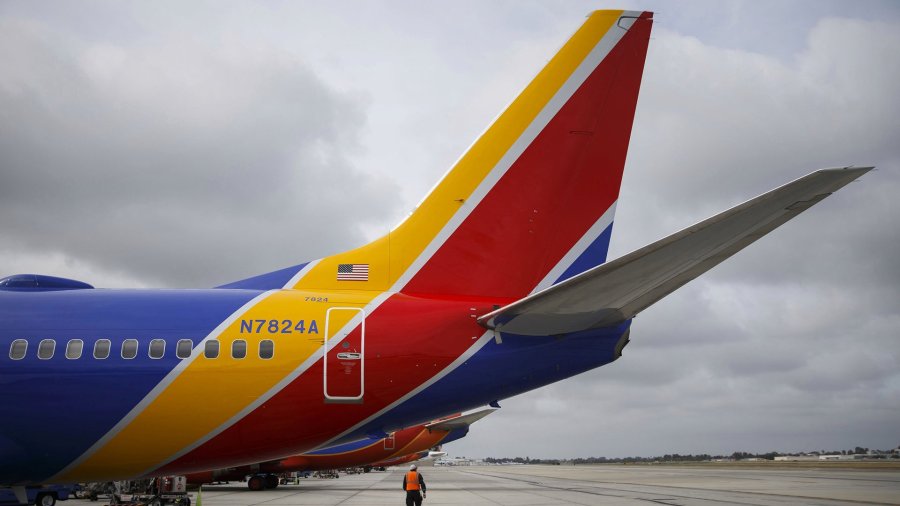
x: 344, y: 363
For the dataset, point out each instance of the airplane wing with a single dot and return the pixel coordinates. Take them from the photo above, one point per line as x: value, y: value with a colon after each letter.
x: 461, y: 421
x: 616, y: 291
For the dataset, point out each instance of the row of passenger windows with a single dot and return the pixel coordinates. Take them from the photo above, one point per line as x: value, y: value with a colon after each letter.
x: 157, y: 349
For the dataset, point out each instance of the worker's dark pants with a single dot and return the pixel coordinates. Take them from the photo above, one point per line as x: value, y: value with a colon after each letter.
x: 413, y: 497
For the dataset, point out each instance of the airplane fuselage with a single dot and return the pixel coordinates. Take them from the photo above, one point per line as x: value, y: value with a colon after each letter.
x: 411, y: 360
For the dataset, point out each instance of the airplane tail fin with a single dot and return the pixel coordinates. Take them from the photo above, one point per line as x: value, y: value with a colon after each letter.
x: 532, y: 201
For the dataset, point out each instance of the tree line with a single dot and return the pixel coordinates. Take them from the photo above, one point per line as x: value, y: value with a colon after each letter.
x: 703, y: 457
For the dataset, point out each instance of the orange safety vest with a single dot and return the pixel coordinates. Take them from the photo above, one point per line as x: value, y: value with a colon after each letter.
x: 412, y: 480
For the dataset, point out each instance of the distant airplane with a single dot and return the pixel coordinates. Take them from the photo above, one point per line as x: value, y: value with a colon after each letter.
x: 495, y: 285
x: 399, y: 447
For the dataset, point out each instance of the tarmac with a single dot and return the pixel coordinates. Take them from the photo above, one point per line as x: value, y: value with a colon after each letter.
x: 584, y: 485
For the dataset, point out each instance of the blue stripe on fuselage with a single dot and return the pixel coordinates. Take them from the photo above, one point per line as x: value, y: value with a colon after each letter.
x: 592, y: 256
x: 54, y: 410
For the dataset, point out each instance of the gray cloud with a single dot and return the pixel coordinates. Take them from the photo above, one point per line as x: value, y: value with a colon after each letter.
x: 154, y: 159
x: 799, y: 330
x: 193, y: 145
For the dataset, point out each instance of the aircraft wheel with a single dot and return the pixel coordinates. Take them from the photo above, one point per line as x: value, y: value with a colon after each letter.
x: 45, y: 500
x: 256, y: 483
x: 271, y: 481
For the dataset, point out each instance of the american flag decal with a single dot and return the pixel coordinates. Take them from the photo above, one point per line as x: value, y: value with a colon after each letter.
x: 353, y: 272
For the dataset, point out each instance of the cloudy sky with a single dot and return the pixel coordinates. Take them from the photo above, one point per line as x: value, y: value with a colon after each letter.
x: 164, y: 144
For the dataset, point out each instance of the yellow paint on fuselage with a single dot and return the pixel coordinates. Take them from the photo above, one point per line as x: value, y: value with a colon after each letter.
x: 210, y: 392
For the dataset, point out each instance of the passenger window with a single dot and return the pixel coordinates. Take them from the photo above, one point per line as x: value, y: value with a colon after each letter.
x: 17, y: 349
x: 74, y: 349
x: 239, y: 348
x: 157, y: 348
x: 183, y: 350
x: 211, y: 349
x: 46, y: 349
x: 266, y: 348
x: 101, y: 349
x: 129, y: 348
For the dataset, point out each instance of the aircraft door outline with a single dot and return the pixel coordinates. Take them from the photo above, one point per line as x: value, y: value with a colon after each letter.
x: 346, y: 359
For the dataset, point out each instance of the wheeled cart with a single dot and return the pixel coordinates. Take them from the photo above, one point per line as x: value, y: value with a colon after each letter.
x: 159, y: 491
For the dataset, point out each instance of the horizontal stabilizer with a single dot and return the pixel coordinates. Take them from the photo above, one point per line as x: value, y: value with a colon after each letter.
x: 616, y: 291
x: 460, y: 421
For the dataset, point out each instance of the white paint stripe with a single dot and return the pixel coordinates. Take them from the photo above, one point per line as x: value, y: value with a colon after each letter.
x: 297, y: 372
x: 483, y: 340
x: 174, y: 373
x: 562, y: 96
x: 161, y: 386
x: 586, y: 240
x: 302, y: 272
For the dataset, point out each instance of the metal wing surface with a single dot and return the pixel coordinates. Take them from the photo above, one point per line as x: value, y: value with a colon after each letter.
x: 616, y: 291
x: 461, y: 421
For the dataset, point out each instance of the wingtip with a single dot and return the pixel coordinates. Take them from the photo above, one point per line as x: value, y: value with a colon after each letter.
x: 851, y: 170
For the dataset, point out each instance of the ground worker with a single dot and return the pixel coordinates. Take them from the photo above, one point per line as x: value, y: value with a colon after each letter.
x: 413, y: 483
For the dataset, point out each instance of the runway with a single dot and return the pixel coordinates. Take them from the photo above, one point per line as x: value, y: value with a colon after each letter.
x: 627, y: 485
x: 583, y: 485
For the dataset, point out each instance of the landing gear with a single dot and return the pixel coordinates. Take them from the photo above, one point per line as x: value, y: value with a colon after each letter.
x: 45, y: 500
x: 256, y: 483
x: 262, y: 482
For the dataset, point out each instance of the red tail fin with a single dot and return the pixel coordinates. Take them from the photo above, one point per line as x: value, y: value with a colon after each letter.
x: 532, y: 201
x: 553, y: 191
